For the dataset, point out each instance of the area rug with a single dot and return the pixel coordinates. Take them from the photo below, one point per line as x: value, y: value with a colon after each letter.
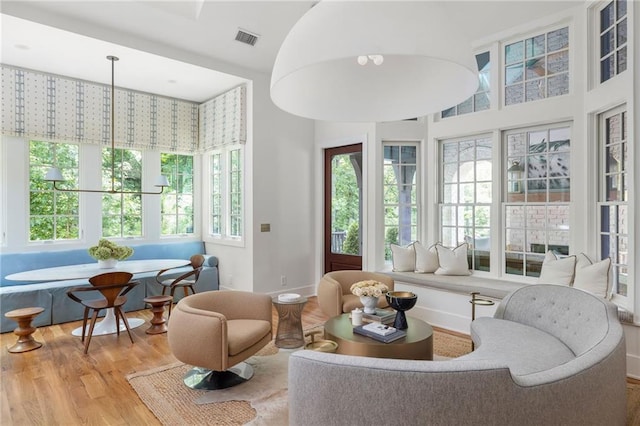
x: 262, y: 401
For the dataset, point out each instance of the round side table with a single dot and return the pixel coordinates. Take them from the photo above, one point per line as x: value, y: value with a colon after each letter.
x: 158, y: 322
x: 289, y: 334
x: 24, y: 317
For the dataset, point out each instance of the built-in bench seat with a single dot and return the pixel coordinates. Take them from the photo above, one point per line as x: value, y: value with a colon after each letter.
x: 443, y: 300
x: 464, y: 284
x: 51, y: 296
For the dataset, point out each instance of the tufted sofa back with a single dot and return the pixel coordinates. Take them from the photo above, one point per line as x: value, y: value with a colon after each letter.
x: 577, y: 318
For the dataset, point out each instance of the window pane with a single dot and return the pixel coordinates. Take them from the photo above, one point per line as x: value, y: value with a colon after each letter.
x: 534, y: 46
x: 558, y: 39
x: 607, y: 17
x: 514, y: 52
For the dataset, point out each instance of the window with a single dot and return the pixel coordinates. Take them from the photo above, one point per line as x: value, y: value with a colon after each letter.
x: 613, y: 196
x: 177, y: 199
x: 465, y: 210
x: 536, y: 212
x: 613, y: 39
x: 400, y: 194
x: 537, y: 68
x: 226, y: 210
x: 481, y: 99
x: 53, y: 215
x: 122, y: 213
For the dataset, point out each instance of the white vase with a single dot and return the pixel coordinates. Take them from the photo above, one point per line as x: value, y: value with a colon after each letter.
x: 369, y: 303
x: 107, y: 264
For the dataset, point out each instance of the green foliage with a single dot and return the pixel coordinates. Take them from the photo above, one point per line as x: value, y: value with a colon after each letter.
x: 109, y: 250
x: 346, y: 194
x: 390, y: 238
x: 352, y: 241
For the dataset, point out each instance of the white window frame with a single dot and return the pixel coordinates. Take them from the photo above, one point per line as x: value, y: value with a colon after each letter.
x: 225, y: 236
x: 417, y: 191
x: 545, y: 78
x: 178, y: 212
x: 526, y: 250
x: 474, y: 139
x: 106, y: 184
x: 54, y: 215
x: 621, y: 300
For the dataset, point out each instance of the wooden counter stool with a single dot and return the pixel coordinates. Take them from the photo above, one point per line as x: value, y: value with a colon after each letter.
x: 158, y: 322
x: 23, y: 317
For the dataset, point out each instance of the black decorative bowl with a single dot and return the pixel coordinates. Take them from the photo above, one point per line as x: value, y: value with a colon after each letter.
x: 401, y: 301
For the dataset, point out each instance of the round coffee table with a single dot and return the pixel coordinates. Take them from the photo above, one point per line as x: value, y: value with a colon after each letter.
x: 418, y: 343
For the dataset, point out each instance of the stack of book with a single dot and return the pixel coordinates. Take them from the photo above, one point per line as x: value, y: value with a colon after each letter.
x: 382, y: 316
x: 380, y: 332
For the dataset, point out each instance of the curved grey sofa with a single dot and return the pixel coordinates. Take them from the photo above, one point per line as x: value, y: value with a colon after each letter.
x: 551, y: 355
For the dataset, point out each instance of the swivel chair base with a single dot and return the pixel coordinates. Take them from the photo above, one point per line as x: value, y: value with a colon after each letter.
x: 202, y: 378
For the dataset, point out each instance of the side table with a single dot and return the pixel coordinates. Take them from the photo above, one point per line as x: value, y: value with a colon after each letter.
x: 475, y: 300
x: 158, y: 322
x: 23, y: 317
x: 289, y: 334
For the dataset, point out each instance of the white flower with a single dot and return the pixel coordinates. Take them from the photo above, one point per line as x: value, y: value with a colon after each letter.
x: 369, y: 288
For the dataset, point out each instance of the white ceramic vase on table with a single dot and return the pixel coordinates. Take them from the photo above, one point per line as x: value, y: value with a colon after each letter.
x: 369, y: 303
x: 107, y: 264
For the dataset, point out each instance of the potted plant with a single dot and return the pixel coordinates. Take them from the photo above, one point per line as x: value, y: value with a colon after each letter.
x: 108, y: 253
x: 369, y: 291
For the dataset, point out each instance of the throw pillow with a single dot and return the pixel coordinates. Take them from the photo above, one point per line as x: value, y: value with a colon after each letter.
x: 403, y: 258
x: 452, y: 261
x: 593, y: 277
x: 426, y: 258
x: 557, y: 270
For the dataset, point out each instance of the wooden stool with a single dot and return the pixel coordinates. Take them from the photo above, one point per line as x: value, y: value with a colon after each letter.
x: 23, y: 317
x: 158, y: 323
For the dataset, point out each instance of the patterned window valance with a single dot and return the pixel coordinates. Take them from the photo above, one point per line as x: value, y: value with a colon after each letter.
x: 39, y: 105
x: 222, y: 119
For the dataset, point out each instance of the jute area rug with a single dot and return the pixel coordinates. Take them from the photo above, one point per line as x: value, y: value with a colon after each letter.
x: 262, y: 401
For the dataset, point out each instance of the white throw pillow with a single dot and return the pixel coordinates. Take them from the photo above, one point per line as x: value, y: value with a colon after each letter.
x: 403, y: 258
x: 426, y: 258
x: 452, y: 261
x: 593, y: 277
x: 557, y: 270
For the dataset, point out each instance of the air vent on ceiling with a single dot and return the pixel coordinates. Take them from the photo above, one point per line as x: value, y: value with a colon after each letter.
x: 247, y: 37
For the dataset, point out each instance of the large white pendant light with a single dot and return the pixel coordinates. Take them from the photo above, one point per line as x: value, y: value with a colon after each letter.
x: 373, y: 61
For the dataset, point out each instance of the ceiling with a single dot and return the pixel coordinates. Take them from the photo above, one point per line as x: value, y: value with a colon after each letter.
x: 73, y: 38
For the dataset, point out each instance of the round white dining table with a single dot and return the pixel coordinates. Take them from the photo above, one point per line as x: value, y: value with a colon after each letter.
x: 88, y: 270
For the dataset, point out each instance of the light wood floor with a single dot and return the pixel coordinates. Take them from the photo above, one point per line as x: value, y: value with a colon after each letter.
x: 59, y: 385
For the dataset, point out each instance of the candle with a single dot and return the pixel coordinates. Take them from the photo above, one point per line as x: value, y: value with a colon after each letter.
x: 356, y: 316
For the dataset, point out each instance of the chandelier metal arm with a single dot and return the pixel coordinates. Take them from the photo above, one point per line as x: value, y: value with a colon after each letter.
x: 112, y: 191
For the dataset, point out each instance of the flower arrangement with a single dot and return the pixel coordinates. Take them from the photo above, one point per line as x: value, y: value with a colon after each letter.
x: 107, y: 250
x: 370, y: 288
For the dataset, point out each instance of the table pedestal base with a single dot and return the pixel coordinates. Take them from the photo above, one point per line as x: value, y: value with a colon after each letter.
x: 108, y: 325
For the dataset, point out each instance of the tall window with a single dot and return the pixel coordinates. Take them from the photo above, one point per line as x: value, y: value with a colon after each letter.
x: 53, y: 215
x: 235, y: 193
x: 614, y: 195
x: 122, y: 213
x: 480, y: 100
x: 613, y: 39
x: 400, y: 194
x: 216, y: 193
x: 177, y: 200
x: 465, y: 211
x: 537, y: 68
x: 226, y: 177
x: 536, y: 212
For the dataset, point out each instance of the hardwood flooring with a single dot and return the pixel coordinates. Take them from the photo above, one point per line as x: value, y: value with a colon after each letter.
x: 59, y: 385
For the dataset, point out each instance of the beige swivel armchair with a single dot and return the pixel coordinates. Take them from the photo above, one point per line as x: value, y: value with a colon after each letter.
x: 334, y: 291
x: 215, y: 331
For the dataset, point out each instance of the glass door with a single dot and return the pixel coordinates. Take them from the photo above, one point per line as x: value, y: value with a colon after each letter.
x: 343, y: 208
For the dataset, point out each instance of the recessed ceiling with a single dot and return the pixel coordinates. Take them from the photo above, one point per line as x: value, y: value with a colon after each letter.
x: 81, y: 34
x: 43, y: 48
